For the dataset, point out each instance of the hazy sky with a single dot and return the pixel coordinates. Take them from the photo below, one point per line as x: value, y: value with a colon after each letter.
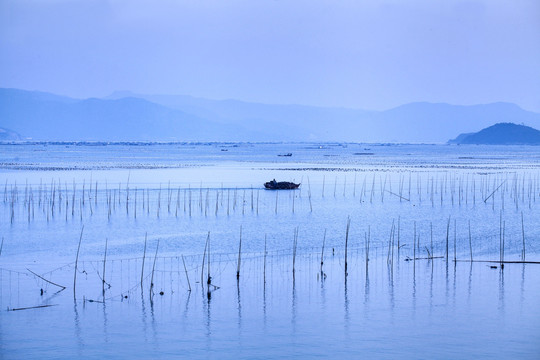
x: 364, y: 54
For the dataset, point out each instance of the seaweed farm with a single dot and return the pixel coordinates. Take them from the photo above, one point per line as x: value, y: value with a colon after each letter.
x: 159, y: 250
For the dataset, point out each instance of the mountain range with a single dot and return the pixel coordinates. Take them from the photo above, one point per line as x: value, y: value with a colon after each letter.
x: 126, y: 116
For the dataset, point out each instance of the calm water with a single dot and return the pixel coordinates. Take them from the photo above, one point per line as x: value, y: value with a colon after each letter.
x: 405, y: 201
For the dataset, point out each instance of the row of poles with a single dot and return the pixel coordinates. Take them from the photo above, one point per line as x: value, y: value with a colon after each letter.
x: 462, y: 189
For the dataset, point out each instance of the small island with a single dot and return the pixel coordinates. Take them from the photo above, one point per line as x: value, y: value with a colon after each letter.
x: 501, y: 134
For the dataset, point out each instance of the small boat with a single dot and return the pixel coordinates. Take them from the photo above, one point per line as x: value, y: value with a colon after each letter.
x: 287, y: 154
x: 281, y: 185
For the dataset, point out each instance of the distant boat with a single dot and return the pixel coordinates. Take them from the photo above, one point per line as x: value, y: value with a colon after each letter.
x: 281, y: 185
x: 288, y: 154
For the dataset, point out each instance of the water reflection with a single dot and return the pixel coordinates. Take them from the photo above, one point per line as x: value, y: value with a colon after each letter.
x: 208, y: 318
x: 501, y: 291
x: 323, y: 291
x: 293, y: 307
x: 105, y: 323
x: 414, y: 296
x: 431, y: 288
x: 153, y: 321
x: 186, y: 307
x: 366, y: 289
x: 78, y: 336
x: 346, y: 307
x: 264, y: 306
x: 447, y: 282
x: 454, y: 286
x: 239, y: 306
x: 522, y: 290
x: 143, y: 317
x: 391, y: 289
x: 469, y: 288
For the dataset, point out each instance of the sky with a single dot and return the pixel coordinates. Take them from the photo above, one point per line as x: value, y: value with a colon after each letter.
x: 369, y: 54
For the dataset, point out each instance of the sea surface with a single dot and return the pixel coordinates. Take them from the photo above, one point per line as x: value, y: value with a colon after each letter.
x: 159, y: 250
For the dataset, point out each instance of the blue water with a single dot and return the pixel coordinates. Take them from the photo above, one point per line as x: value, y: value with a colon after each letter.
x: 395, y: 196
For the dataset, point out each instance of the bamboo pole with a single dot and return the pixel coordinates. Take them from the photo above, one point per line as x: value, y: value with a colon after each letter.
x: 103, y: 275
x: 470, y: 241
x: 185, y: 269
x: 447, y: 234
x: 264, y: 269
x: 144, y: 256
x: 322, y: 251
x: 153, y: 269
x: 209, y: 278
x: 239, y: 256
x: 522, y: 236
x: 346, y: 243
x: 455, y: 230
x: 414, y: 249
x: 295, y: 242
x: 76, y: 264
x: 42, y: 278
x: 431, y: 237
x: 490, y: 195
x: 204, y: 258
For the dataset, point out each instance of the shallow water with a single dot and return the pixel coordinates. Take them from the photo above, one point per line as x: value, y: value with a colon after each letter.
x: 394, y: 196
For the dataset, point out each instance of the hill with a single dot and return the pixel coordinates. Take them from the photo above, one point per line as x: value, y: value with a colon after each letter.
x: 56, y: 118
x: 414, y: 122
x: 501, y: 134
x: 127, y: 116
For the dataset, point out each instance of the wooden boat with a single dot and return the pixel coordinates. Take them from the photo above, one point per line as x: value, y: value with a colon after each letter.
x: 281, y: 185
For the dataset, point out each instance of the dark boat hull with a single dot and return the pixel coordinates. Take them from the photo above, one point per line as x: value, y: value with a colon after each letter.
x: 282, y: 185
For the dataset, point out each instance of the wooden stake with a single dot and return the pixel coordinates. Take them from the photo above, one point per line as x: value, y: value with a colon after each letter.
x: 185, y: 269
x: 522, y: 236
x: 239, y: 255
x: 447, y: 234
x: 144, y: 256
x: 103, y: 275
x: 470, y: 240
x: 76, y: 263
x: 322, y: 251
x: 346, y: 243
x: 209, y: 278
x: 264, y: 269
x: 42, y: 278
x: 153, y: 268
x: 204, y: 258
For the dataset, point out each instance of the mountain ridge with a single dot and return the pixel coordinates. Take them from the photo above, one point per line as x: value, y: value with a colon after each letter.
x: 129, y: 116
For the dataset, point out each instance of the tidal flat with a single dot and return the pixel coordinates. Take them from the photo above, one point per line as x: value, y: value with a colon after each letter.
x: 177, y: 250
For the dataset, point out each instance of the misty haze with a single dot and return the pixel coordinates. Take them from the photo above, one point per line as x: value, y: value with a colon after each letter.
x: 240, y: 180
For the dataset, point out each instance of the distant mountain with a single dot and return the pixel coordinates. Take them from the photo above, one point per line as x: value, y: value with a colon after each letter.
x: 8, y: 135
x: 129, y: 116
x: 428, y: 122
x: 501, y: 134
x: 284, y: 122
x: 56, y: 118
x: 414, y: 122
